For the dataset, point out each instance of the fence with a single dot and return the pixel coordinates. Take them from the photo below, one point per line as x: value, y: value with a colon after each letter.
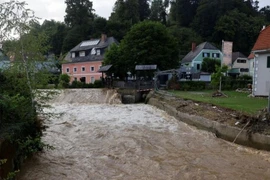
x: 139, y: 84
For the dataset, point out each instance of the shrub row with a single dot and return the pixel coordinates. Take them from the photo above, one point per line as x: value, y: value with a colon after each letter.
x: 228, y: 84
x: 79, y: 84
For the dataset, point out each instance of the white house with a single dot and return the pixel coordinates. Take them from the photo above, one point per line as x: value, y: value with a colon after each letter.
x: 240, y: 65
x: 261, y: 77
x: 251, y: 64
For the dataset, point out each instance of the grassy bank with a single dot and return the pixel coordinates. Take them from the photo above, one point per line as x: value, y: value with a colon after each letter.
x: 235, y: 100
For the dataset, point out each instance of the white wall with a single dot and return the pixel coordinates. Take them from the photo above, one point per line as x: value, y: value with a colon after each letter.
x: 261, y: 78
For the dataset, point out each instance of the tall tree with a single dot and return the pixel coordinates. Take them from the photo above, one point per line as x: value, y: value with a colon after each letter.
x: 185, y: 37
x: 79, y: 19
x: 183, y: 11
x: 265, y: 11
x: 79, y: 12
x: 159, y: 10
x: 99, y: 26
x: 148, y: 43
x: 55, y: 32
x: 19, y: 122
x: 144, y: 9
x: 126, y: 11
x: 238, y: 27
x: 205, y: 18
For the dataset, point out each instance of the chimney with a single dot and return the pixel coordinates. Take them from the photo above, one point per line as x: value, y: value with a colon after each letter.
x: 193, y: 46
x: 263, y: 27
x: 103, y: 37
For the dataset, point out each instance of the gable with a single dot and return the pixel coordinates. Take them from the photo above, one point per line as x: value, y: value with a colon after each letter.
x: 263, y: 41
x: 203, y: 47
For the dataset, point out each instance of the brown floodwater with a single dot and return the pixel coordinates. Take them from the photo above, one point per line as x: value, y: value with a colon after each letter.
x: 98, y: 141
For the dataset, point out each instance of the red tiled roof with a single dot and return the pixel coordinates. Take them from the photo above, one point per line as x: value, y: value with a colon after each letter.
x: 251, y: 56
x: 263, y: 41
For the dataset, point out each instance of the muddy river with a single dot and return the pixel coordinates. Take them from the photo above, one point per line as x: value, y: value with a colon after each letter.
x: 94, y: 140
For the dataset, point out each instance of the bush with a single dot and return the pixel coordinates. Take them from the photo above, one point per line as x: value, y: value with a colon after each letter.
x: 64, y: 80
x: 98, y: 84
x: 79, y: 84
x: 192, y: 85
x: 76, y: 84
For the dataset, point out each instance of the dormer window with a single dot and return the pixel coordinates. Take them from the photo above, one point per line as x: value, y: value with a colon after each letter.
x: 215, y: 55
x: 98, y: 51
x: 206, y: 54
x: 82, y: 53
x: 241, y: 61
x: 73, y: 55
x: 93, y: 51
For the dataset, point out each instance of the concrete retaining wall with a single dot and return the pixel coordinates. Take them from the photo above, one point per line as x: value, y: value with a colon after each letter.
x: 258, y: 141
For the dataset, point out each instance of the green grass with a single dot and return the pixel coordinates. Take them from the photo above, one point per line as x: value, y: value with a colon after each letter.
x: 235, y: 100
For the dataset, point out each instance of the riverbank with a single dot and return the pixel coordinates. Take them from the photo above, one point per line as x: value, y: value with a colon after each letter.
x: 224, y: 123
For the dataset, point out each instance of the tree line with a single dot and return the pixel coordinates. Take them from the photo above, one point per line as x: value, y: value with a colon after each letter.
x: 188, y: 21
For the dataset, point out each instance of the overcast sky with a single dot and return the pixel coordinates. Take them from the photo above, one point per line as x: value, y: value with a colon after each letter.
x: 55, y: 9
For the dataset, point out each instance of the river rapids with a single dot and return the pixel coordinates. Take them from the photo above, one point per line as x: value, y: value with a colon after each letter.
x: 95, y: 137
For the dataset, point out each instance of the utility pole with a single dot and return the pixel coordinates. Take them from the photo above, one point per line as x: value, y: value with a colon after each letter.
x: 220, y: 78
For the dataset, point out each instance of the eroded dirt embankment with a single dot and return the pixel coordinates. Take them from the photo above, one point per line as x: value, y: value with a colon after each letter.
x: 225, y: 123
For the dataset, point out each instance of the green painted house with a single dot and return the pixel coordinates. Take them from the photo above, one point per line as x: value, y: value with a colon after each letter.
x: 192, y: 62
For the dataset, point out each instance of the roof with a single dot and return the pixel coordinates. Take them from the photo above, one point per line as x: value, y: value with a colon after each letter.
x: 251, y: 56
x: 88, y: 45
x: 146, y: 67
x: 234, y: 71
x: 94, y: 43
x: 4, y: 64
x: 263, y: 41
x: 3, y: 57
x: 104, y: 68
x: 47, y: 65
x: 237, y: 55
x: 192, y: 54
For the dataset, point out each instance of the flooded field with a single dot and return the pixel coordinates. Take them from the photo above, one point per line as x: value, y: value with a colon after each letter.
x: 96, y: 140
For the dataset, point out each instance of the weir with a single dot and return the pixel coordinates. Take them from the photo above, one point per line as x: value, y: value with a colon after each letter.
x: 96, y: 137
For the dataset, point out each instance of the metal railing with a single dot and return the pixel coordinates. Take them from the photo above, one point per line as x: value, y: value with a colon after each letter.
x: 139, y: 84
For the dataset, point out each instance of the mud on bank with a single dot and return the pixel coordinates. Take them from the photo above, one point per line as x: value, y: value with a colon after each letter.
x: 231, y: 125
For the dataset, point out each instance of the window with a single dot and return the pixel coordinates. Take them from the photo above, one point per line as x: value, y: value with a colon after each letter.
x: 206, y: 54
x: 83, y: 68
x: 75, y: 79
x: 83, y: 79
x: 244, y: 70
x: 98, y: 51
x: 82, y: 53
x: 215, y: 55
x: 198, y: 66
x: 93, y: 51
x: 74, y: 69
x: 268, y: 61
x: 241, y: 61
x: 92, y: 80
x: 92, y: 68
x: 73, y: 55
x: 67, y: 70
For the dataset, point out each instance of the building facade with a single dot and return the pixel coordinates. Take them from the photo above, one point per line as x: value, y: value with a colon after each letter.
x: 84, y: 60
x: 261, y: 77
